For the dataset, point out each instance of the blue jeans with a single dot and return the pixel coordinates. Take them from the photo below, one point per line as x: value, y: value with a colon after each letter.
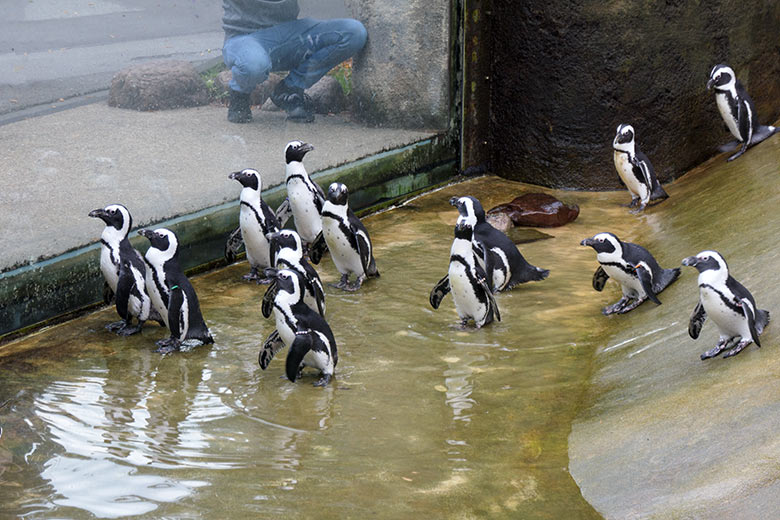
x: 306, y: 47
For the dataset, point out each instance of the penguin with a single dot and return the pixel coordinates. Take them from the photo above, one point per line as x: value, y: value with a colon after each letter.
x: 635, y: 170
x: 256, y: 221
x: 124, y: 270
x: 729, y: 304
x: 467, y: 281
x: 496, y: 253
x: 306, y: 333
x: 175, y: 291
x: 347, y: 240
x: 633, y: 267
x: 305, y: 196
x: 287, y: 253
x: 737, y: 110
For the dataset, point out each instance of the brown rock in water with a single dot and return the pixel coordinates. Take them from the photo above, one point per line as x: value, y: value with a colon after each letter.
x: 158, y: 85
x: 537, y: 210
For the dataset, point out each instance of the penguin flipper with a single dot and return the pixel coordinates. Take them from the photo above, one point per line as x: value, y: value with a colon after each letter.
x: 646, y: 279
x: 762, y: 320
x: 233, y: 245
x: 283, y: 212
x: 745, y: 130
x: 697, y: 320
x: 267, y: 306
x: 491, y: 300
x: 301, y: 345
x: 439, y: 291
x: 665, y: 280
x: 750, y: 316
x: 600, y: 278
x: 317, y: 248
x: 272, y: 345
x: 175, y: 301
x: 364, y: 250
x: 124, y: 288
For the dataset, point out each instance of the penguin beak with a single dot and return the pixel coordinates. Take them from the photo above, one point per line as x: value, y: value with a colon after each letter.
x: 454, y: 201
x: 97, y: 213
x: 587, y: 242
x: 234, y: 175
x: 148, y: 233
x: 709, y: 84
x: 306, y: 147
x: 690, y: 261
x: 270, y: 272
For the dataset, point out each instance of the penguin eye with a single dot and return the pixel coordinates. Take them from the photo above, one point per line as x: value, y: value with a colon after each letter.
x: 705, y: 258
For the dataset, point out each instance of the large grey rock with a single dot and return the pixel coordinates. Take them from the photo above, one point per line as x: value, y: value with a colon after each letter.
x: 158, y: 85
x: 261, y: 92
x: 328, y: 96
x: 401, y: 77
x: 565, y: 74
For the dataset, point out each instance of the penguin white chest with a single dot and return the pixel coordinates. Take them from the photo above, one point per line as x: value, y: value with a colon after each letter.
x: 257, y: 247
x: 722, y: 100
x: 467, y: 303
x: 626, y: 172
x: 109, y: 269
x: 307, y: 218
x: 154, y: 291
x: 282, y: 325
x: 630, y: 283
x: 729, y: 322
x: 346, y: 259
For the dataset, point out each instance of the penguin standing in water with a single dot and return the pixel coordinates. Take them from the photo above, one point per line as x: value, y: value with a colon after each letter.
x: 737, y: 110
x: 184, y: 318
x: 496, y: 253
x: 633, y: 267
x: 287, y: 253
x: 728, y: 303
x: 347, y: 240
x: 635, y: 170
x: 256, y: 222
x: 467, y: 282
x: 303, y: 330
x: 305, y: 196
x: 124, y: 270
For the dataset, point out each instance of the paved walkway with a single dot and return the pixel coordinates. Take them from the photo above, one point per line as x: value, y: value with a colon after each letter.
x: 55, y: 168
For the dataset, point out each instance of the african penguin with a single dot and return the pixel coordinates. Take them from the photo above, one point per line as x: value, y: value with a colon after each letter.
x: 256, y: 221
x: 737, y: 110
x: 287, y: 253
x: 633, y: 267
x: 496, y: 253
x: 467, y: 282
x: 300, y: 328
x: 184, y: 318
x: 635, y: 170
x: 305, y: 196
x: 347, y: 240
x: 123, y: 269
x: 731, y: 306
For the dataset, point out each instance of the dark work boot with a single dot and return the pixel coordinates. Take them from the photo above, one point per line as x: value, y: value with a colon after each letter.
x: 293, y: 101
x: 239, y: 110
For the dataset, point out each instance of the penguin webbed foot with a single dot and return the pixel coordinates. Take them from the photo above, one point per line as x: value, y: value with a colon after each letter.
x: 343, y: 283
x: 633, y: 304
x: 738, y: 348
x: 323, y: 381
x: 115, y: 326
x: 740, y: 152
x: 722, y: 345
x: 355, y: 286
x: 165, y: 342
x: 173, y: 345
x: 252, y: 275
x: 639, y: 209
x: 615, y: 307
x: 129, y: 330
x: 632, y: 204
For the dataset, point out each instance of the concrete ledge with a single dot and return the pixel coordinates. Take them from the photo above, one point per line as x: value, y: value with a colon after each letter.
x: 61, y: 287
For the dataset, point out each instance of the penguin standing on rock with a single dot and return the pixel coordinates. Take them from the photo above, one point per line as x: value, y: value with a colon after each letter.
x: 184, y: 318
x: 300, y: 328
x: 496, y: 253
x: 633, y: 267
x: 467, y: 282
x: 305, y: 196
x: 731, y: 306
x: 635, y: 170
x: 124, y: 270
x: 347, y: 240
x: 737, y: 110
x: 256, y: 221
x: 287, y: 253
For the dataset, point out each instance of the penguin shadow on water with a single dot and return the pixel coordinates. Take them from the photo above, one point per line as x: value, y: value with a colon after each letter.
x: 640, y: 276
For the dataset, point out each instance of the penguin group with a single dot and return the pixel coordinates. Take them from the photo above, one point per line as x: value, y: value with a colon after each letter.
x: 483, y: 261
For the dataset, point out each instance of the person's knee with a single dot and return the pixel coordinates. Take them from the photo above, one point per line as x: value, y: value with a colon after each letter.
x: 357, y: 34
x: 251, y: 70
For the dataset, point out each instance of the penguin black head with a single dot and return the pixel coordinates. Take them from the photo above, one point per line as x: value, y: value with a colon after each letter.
x: 248, y: 178
x: 603, y: 243
x: 624, y: 138
x: 338, y: 194
x: 706, y: 261
x: 469, y: 208
x: 286, y: 280
x: 463, y: 230
x: 285, y: 238
x: 295, y: 150
x: 115, y: 215
x: 721, y: 77
x: 163, y: 239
